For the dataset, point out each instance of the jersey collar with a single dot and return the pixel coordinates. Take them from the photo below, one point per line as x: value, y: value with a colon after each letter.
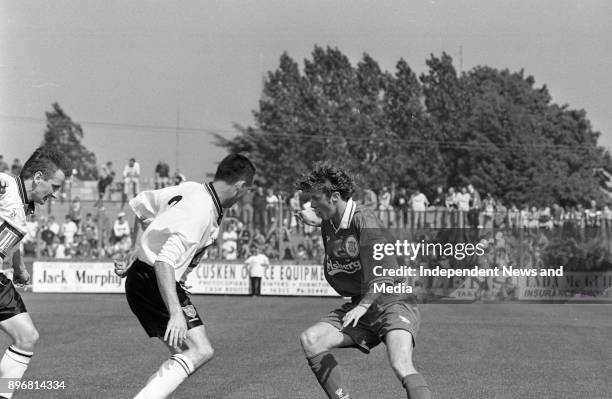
x: 347, y: 216
x: 27, y: 204
x: 211, y: 190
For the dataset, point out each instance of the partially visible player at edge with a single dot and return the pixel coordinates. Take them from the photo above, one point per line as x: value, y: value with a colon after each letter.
x: 349, y: 231
x: 40, y: 179
x: 180, y: 223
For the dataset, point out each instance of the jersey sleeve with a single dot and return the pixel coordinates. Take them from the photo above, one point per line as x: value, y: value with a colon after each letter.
x: 145, y: 205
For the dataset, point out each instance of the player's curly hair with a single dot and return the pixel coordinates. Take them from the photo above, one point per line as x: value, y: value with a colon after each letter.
x: 327, y: 179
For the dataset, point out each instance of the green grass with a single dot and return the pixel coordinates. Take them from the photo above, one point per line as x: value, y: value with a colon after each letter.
x: 97, y: 347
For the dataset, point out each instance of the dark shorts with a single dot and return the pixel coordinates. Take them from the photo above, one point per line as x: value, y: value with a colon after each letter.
x: 376, y: 323
x: 11, y: 303
x: 146, y: 302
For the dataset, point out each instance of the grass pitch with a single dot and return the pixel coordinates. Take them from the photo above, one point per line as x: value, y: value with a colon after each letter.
x: 94, y: 344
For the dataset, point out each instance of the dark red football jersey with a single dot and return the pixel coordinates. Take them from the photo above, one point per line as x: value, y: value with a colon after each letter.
x: 349, y: 265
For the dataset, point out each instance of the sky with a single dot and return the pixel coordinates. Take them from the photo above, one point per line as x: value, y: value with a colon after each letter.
x: 132, y: 71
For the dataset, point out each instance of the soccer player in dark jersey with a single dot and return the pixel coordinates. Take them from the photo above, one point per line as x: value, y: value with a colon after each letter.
x: 349, y: 232
x: 40, y: 179
x: 181, y: 222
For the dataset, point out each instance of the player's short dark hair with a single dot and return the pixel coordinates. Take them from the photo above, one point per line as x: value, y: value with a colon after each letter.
x: 235, y: 167
x: 327, y: 179
x: 46, y: 160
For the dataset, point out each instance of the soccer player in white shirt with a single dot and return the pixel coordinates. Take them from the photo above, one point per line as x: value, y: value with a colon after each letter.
x: 40, y: 179
x: 181, y: 222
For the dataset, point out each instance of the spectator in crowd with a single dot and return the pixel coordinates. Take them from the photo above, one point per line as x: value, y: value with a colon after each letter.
x: 16, y: 167
x: 488, y: 211
x: 30, y: 239
x: 557, y: 214
x: 301, y: 254
x: 451, y: 199
x: 295, y: 206
x: 592, y: 214
x: 400, y: 203
x: 54, y: 226
x: 246, y: 209
x: 162, y: 175
x: 256, y: 265
x: 259, y: 210
x: 419, y: 204
x: 59, y: 249
x: 533, y: 218
x: 179, y: 177
x: 452, y: 206
x: 131, y: 178
x: 76, y: 211
x: 68, y: 231
x: 259, y: 239
x: 229, y: 248
x: 500, y: 217
x: 83, y: 248
x: 463, y: 199
x: 4, y: 167
x: 475, y: 206
x: 544, y: 218
x: 606, y: 215
x: 272, y: 202
x: 463, y: 205
x: 244, y: 242
x: 107, y: 176
x: 384, y: 206
x: 121, y: 228
x: 370, y: 200
x: 46, y: 237
x: 90, y: 231
x: 439, y: 205
x: 514, y: 216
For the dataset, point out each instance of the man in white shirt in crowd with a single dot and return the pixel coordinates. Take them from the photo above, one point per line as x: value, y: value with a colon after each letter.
x: 69, y: 230
x: 53, y: 226
x: 419, y: 203
x: 463, y: 205
x: 256, y: 265
x: 180, y: 223
x: 121, y: 227
x: 131, y: 178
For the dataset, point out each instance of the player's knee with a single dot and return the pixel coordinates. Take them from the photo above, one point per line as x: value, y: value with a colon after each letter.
x: 310, y: 340
x: 402, y: 365
x: 26, y: 340
x: 204, y: 354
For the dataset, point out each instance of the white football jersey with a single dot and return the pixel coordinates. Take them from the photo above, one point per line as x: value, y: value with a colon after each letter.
x: 188, y: 214
x: 14, y: 208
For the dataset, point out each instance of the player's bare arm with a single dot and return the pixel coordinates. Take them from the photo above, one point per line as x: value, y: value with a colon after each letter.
x: 176, y: 331
x: 20, y: 273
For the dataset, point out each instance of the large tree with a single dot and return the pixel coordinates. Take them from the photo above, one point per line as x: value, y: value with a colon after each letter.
x: 66, y: 135
x: 335, y: 111
x: 492, y: 128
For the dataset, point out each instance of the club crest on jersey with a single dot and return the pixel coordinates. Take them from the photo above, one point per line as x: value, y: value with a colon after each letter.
x: 351, y: 246
x: 346, y: 247
x: 190, y: 311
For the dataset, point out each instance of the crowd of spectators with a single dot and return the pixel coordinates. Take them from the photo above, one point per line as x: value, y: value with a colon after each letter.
x: 264, y: 220
x: 77, y: 237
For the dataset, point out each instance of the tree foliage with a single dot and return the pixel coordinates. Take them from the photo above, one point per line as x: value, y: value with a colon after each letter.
x: 67, y: 136
x: 492, y: 128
